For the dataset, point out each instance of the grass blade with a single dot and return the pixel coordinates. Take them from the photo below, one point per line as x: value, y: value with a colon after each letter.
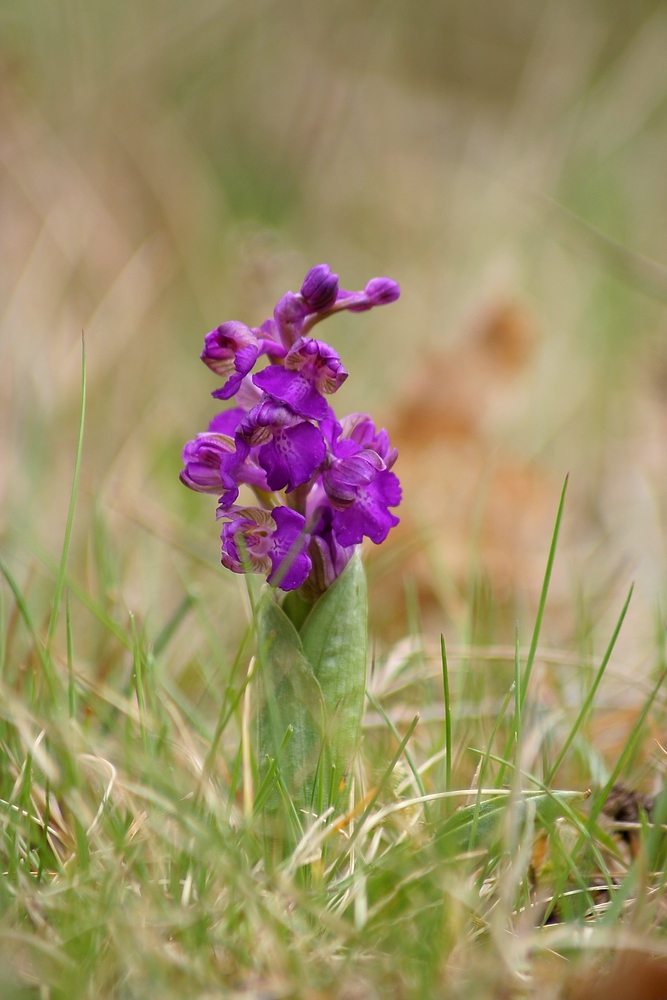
x: 71, y: 693
x: 543, y: 595
x: 517, y: 693
x: 599, y: 802
x: 591, y: 694
x: 45, y: 659
x: 394, y: 731
x: 60, y: 581
x: 374, y: 797
x: 170, y: 628
x: 485, y: 763
x: 448, y: 715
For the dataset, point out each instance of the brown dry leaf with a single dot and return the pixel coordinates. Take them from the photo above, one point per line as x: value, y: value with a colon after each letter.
x: 466, y: 496
x: 632, y: 975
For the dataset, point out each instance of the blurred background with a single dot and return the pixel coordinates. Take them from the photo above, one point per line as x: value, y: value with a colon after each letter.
x: 167, y: 166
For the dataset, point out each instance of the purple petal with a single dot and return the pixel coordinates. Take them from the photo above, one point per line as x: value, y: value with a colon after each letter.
x: 329, y: 558
x: 202, y: 459
x: 289, y: 557
x: 257, y: 528
x: 227, y: 421
x: 294, y: 389
x: 230, y: 351
x: 239, y: 468
x: 368, y: 515
x: 292, y: 456
x: 243, y: 362
x: 318, y: 361
x: 268, y: 339
x: 345, y: 478
x: 360, y: 429
x: 248, y: 395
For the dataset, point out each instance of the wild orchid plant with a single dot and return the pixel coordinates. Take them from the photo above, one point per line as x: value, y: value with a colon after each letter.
x: 321, y: 486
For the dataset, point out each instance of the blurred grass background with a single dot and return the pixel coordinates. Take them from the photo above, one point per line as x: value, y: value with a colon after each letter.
x: 166, y: 166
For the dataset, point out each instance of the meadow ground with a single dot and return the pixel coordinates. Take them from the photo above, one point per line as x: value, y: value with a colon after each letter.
x: 164, y: 167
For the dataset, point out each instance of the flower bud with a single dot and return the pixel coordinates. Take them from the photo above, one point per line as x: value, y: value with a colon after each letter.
x: 382, y: 291
x: 289, y: 314
x: 320, y: 288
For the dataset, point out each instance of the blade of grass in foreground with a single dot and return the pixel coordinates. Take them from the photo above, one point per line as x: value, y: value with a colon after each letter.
x: 374, y: 797
x: 448, y: 715
x: 485, y: 763
x: 408, y: 756
x: 71, y: 692
x: 168, y: 631
x: 601, y: 798
x: 521, y: 694
x: 60, y: 581
x: 557, y: 796
x: 44, y: 658
x: 3, y: 631
x: 517, y: 693
x: 543, y: 596
x: 591, y: 694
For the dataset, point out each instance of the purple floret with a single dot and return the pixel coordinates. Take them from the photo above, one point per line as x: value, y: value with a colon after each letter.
x: 227, y: 421
x: 271, y: 542
x: 290, y: 448
x: 202, y: 457
x: 369, y: 514
x: 311, y: 368
x: 358, y: 483
x: 230, y: 351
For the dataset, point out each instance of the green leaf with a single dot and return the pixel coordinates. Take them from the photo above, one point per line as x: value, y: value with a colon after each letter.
x: 335, y: 638
x: 289, y: 695
x: 296, y: 609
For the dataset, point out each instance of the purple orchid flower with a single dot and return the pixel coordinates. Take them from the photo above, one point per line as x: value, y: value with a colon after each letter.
x: 290, y: 449
x: 294, y: 315
x: 271, y: 542
x: 360, y: 430
x: 232, y: 349
x: 369, y: 513
x: 358, y: 483
x: 311, y: 368
x: 202, y: 456
x: 378, y: 292
x: 207, y: 457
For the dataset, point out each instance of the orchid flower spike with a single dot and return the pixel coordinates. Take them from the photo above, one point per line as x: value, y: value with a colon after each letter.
x: 321, y: 486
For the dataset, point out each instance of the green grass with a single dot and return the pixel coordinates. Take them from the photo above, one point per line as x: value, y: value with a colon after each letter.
x: 139, y: 859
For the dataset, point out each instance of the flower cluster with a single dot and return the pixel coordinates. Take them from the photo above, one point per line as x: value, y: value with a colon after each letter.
x: 321, y: 484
